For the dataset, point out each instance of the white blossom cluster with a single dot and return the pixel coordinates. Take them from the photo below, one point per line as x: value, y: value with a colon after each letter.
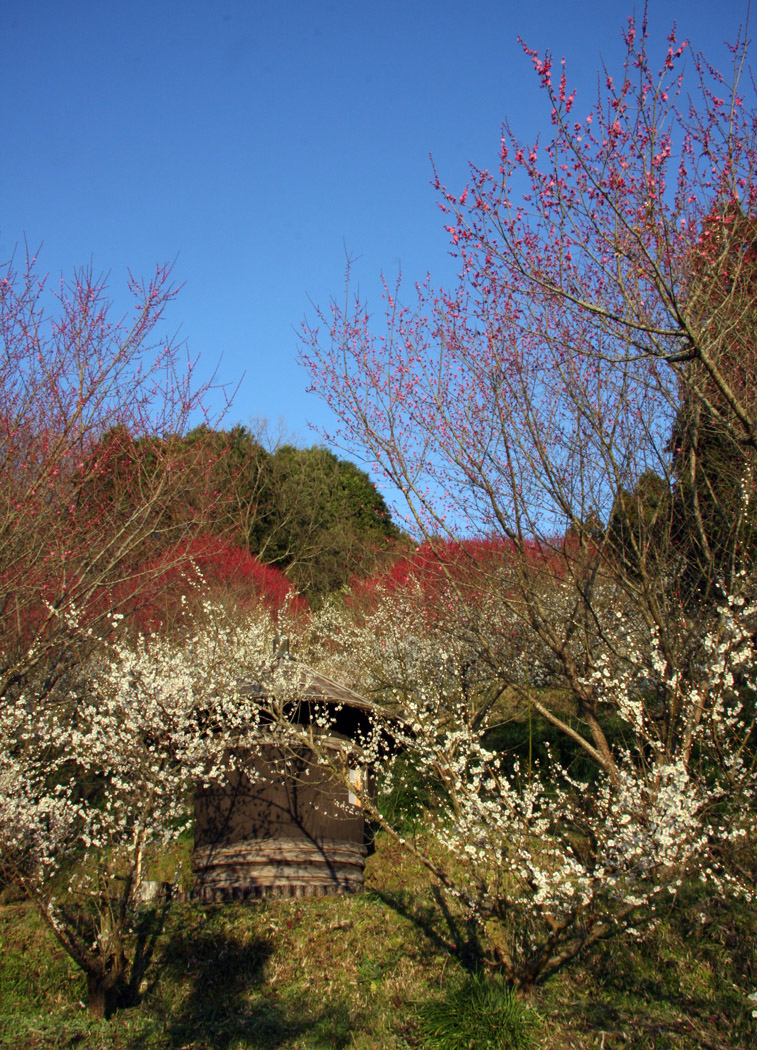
x: 541, y: 861
x: 95, y: 781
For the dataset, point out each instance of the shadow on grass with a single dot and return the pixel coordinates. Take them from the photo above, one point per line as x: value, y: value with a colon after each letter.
x: 443, y: 930
x: 209, y: 991
x: 681, y: 986
x: 149, y: 929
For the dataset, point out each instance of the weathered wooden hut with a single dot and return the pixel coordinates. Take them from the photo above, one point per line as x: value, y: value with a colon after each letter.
x: 283, y: 824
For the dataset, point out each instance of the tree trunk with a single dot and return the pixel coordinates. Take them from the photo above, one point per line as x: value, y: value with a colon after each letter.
x: 102, y: 992
x: 97, y: 996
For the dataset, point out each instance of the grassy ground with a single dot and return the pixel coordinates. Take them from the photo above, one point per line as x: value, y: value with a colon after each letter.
x: 355, y: 971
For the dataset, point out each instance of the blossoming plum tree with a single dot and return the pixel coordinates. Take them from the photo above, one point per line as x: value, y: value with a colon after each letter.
x: 95, y: 778
x: 97, y: 739
x: 539, y: 860
x: 602, y: 299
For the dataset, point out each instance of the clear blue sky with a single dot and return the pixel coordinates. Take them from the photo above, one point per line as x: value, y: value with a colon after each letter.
x: 255, y: 142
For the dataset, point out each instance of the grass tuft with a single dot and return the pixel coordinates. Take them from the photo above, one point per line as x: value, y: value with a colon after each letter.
x: 483, y: 1014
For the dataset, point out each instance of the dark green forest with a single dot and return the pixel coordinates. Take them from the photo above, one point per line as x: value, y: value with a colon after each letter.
x: 317, y: 518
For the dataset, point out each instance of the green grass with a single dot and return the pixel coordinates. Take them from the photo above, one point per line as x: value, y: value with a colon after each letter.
x: 481, y: 1014
x: 362, y: 973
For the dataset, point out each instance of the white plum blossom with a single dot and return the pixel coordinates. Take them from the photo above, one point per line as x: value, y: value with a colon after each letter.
x: 95, y: 781
x: 543, y: 863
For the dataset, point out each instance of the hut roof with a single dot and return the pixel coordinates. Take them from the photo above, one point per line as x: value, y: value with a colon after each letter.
x: 350, y: 716
x: 310, y: 685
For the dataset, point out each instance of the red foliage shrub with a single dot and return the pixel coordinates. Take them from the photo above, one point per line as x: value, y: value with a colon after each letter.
x: 465, y: 565
x: 221, y: 571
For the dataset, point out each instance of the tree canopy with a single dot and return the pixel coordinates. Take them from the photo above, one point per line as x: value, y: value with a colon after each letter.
x: 316, y: 517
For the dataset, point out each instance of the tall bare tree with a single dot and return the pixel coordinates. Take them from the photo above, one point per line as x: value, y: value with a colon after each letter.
x: 79, y: 515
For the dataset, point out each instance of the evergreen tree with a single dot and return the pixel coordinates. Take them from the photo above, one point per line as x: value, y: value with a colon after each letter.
x: 713, y: 449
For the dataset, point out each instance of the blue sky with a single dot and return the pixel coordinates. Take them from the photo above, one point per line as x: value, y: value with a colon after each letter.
x: 256, y: 143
